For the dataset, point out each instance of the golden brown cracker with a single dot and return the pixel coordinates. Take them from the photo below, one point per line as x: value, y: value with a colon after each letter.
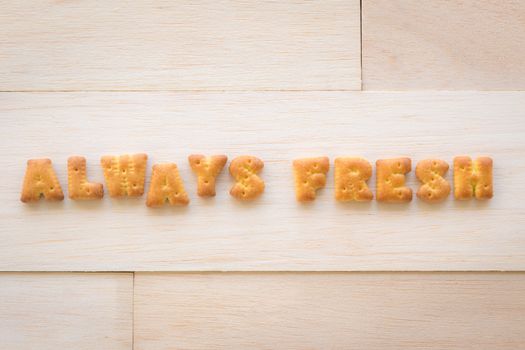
x: 390, y: 180
x: 431, y: 173
x: 40, y: 180
x: 473, y: 179
x: 248, y: 185
x: 310, y: 175
x: 351, y: 176
x: 207, y: 169
x: 166, y: 186
x: 125, y: 174
x: 77, y: 184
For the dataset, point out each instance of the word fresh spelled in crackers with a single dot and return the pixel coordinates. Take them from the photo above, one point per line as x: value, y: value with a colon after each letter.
x: 125, y: 175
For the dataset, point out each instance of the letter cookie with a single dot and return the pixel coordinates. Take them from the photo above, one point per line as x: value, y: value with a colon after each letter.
x: 248, y: 185
x: 351, y: 175
x: 125, y: 174
x: 390, y: 180
x: 473, y: 178
x: 430, y: 172
x: 40, y: 180
x: 310, y: 175
x: 77, y: 183
x: 166, y: 186
x: 207, y: 169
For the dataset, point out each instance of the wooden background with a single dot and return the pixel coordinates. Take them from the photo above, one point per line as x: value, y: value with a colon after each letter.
x: 278, y: 80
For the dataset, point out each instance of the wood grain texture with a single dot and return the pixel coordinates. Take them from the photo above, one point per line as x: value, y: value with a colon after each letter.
x: 275, y: 232
x: 66, y: 311
x: 330, y: 311
x: 180, y: 45
x: 443, y: 45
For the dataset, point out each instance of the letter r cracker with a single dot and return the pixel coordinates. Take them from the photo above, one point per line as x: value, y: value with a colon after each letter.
x: 351, y: 176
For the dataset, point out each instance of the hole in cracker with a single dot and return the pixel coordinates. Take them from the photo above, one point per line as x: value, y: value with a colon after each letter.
x: 51, y: 188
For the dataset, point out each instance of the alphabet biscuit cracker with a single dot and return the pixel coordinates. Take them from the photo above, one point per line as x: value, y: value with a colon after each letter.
x: 77, y: 183
x: 390, y: 180
x: 125, y: 174
x: 40, y: 180
x: 166, y: 186
x: 431, y: 172
x: 248, y: 185
x: 207, y: 169
x: 473, y: 179
x: 351, y: 175
x: 310, y: 175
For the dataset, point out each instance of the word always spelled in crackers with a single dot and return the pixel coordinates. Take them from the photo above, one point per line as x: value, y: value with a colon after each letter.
x: 248, y: 185
x: 166, y: 186
x: 309, y: 175
x: 431, y: 173
x: 77, y: 183
x: 40, y: 180
x: 125, y: 175
x: 390, y: 180
x: 351, y: 176
x: 472, y: 179
x: 207, y: 169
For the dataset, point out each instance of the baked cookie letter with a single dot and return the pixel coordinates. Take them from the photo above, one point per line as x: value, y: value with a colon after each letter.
x: 248, y: 185
x: 125, y: 174
x: 310, y: 175
x: 472, y: 179
x: 207, y: 169
x: 166, y: 186
x: 351, y: 175
x: 40, y: 180
x: 77, y: 183
x: 390, y: 180
x: 430, y: 172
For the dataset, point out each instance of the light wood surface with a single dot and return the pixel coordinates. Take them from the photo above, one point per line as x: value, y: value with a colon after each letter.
x: 271, y: 79
x: 180, y: 45
x: 330, y: 311
x: 275, y: 232
x: 66, y: 311
x: 443, y: 44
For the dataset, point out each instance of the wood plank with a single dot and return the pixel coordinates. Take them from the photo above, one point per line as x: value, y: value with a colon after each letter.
x: 443, y: 45
x: 66, y: 311
x: 275, y: 232
x: 330, y: 311
x: 180, y: 45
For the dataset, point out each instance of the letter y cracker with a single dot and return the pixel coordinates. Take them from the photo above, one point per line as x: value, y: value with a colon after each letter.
x: 310, y: 175
x: 40, y: 180
x: 125, y: 175
x: 207, y: 169
x: 77, y: 183
x: 166, y: 186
